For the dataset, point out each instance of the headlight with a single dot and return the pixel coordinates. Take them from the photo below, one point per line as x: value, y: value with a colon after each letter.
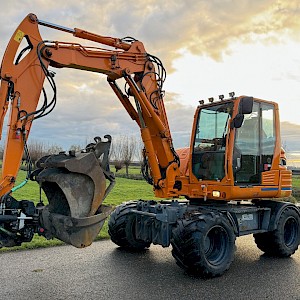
x: 216, y: 194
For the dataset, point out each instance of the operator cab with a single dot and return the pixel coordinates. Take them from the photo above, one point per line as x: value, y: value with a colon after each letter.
x: 243, y: 130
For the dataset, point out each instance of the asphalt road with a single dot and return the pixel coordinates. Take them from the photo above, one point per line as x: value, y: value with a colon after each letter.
x: 103, y: 271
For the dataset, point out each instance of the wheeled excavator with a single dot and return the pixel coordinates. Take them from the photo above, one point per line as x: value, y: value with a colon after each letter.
x: 230, y: 181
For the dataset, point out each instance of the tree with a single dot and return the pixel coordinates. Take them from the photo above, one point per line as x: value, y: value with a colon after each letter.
x: 139, y: 151
x: 1, y: 151
x: 128, y: 151
x: 36, y: 150
x: 116, y: 153
x: 54, y: 149
x: 75, y: 148
x: 123, y: 151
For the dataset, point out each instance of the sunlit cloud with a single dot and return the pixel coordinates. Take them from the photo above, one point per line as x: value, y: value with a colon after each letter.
x: 201, y: 27
x: 169, y: 29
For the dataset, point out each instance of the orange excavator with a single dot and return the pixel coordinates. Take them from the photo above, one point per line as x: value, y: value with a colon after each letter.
x: 230, y: 181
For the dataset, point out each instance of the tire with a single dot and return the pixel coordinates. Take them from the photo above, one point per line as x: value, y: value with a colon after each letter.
x: 121, y: 228
x: 204, y: 244
x: 285, y: 239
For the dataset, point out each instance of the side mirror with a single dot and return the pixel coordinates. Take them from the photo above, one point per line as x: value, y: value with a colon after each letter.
x: 246, y: 105
x: 238, y: 121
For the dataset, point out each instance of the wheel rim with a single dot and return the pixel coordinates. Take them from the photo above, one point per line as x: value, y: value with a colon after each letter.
x: 290, y: 231
x: 216, y: 245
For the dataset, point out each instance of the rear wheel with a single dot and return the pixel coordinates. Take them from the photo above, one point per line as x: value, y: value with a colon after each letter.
x: 285, y: 239
x: 204, y: 244
x: 121, y: 228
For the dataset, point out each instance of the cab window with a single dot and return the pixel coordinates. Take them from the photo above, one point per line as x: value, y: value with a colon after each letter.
x: 210, y: 141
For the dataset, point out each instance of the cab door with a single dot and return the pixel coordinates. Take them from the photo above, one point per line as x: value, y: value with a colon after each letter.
x: 253, y: 151
x: 208, y: 157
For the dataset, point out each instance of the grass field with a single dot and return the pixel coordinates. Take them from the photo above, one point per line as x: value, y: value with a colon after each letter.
x: 124, y: 190
x: 296, y: 181
x: 133, y: 170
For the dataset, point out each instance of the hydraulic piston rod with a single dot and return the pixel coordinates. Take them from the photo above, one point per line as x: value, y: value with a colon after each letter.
x: 55, y: 26
x: 113, y: 42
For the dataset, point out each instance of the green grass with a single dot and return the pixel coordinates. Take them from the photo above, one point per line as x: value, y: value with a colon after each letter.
x: 296, y: 188
x: 133, y: 170
x: 30, y: 191
x: 296, y: 181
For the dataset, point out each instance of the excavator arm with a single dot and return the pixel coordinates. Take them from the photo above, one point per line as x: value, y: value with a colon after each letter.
x: 22, y: 81
x: 22, y: 84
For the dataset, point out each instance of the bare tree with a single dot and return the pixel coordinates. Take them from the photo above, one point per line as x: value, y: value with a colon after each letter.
x: 139, y: 150
x: 54, y: 149
x: 123, y: 151
x: 116, y: 153
x: 75, y: 148
x: 36, y: 150
x: 1, y: 151
x: 128, y: 151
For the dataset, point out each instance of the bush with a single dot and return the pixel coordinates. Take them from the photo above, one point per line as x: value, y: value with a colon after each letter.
x: 130, y: 176
x: 296, y: 194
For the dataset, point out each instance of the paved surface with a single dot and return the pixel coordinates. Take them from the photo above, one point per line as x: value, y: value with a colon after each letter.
x: 103, y: 271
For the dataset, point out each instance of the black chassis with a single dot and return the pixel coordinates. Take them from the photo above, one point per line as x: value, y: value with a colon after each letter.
x: 156, y: 220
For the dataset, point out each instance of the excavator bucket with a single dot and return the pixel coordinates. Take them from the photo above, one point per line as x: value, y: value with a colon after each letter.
x: 75, y: 185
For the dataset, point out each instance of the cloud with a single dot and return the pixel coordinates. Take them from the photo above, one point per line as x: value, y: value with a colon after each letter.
x: 201, y: 27
x: 205, y: 27
x: 180, y: 120
x: 86, y: 105
x: 82, y: 114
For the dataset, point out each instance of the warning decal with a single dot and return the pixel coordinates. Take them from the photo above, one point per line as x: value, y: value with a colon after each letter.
x: 19, y: 36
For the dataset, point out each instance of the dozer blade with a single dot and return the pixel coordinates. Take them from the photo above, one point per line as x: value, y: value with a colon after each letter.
x: 75, y: 185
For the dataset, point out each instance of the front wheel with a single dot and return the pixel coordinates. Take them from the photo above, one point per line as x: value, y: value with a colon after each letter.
x: 285, y: 239
x: 121, y: 228
x: 204, y: 244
